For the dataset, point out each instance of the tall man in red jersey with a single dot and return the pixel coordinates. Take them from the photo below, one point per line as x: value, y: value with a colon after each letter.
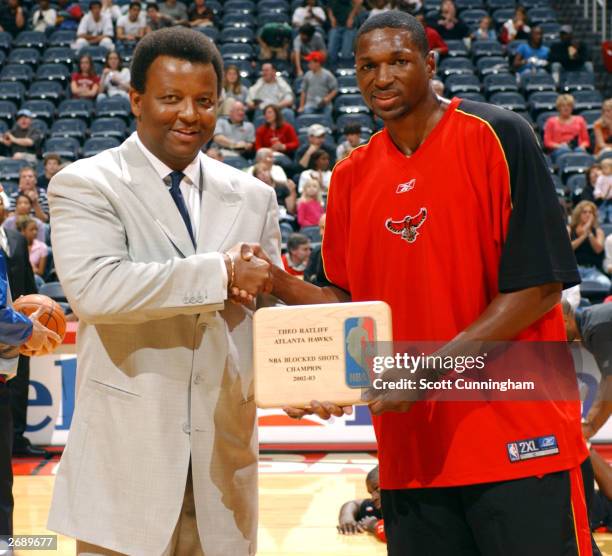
x: 450, y: 216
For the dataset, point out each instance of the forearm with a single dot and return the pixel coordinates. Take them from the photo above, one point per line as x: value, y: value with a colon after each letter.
x: 596, y: 243
x: 602, y: 472
x: 40, y: 213
x: 602, y: 407
x: 22, y: 141
x: 294, y: 291
x: 223, y: 141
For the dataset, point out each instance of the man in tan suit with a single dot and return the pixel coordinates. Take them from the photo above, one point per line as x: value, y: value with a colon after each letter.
x: 162, y: 454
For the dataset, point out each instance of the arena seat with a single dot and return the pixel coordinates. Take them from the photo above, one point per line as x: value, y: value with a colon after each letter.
x: 456, y: 49
x: 66, y: 147
x: 304, y: 121
x: 237, y: 162
x: 577, y: 81
x: 29, y: 56
x: 95, y: 145
x: 69, y: 127
x: 113, y: 107
x: 16, y: 72
x: 237, y: 34
x: 6, y: 41
x: 350, y: 104
x: 46, y: 90
x: 477, y: 97
x: 551, y: 30
x: 211, y: 32
x: 473, y: 16
x: 347, y: 84
x: 43, y: 109
x: 8, y: 109
x: 364, y: 121
x: 576, y: 183
x: 108, y: 127
x: 59, y: 55
x: 62, y: 38
x: 75, y: 108
x: 238, y: 20
x: 510, y: 100
x: 486, y: 48
x: 13, y: 91
x: 542, y: 101
x: 53, y: 72
x: 9, y: 169
x: 492, y: 64
x: 540, y: 81
x: 499, y: 82
x: 239, y: 6
x: 542, y: 117
x: 97, y: 53
x: 313, y: 233
x: 587, y: 100
x: 591, y: 116
x: 236, y: 51
x: 460, y: 66
x: 574, y: 163
x: 539, y: 15
x: 30, y: 39
x: 462, y: 83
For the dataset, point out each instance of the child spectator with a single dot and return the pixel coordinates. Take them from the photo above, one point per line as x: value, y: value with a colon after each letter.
x: 38, y: 250
x: 309, y: 208
x: 319, y: 170
x: 352, y: 133
x: 23, y: 207
x: 485, y: 30
x: 603, y: 191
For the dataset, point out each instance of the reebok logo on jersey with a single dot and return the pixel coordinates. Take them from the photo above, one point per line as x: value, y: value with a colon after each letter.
x: 406, y: 186
x: 532, y: 448
x: 408, y: 226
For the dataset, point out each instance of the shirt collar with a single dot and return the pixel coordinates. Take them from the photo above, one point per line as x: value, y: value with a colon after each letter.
x: 191, y: 171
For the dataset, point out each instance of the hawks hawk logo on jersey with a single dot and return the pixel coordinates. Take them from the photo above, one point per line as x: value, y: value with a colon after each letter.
x: 407, y: 227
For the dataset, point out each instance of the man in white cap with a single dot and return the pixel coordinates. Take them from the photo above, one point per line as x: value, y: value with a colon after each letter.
x: 316, y: 140
x: 23, y: 139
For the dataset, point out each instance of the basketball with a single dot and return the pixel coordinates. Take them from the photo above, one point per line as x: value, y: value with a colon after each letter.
x: 52, y: 317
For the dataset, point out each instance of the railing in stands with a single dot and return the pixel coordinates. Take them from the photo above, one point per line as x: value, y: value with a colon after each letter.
x: 597, y: 12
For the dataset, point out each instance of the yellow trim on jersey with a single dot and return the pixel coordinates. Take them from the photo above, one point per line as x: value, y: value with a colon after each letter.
x: 498, y: 142
x: 330, y: 187
x: 574, y: 520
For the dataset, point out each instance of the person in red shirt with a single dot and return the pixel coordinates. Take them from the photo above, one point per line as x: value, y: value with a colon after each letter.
x: 85, y: 83
x: 449, y: 215
x: 435, y: 41
x: 296, y: 257
x: 275, y: 133
x: 565, y: 133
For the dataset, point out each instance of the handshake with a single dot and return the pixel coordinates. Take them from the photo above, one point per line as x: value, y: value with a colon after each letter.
x: 249, y: 272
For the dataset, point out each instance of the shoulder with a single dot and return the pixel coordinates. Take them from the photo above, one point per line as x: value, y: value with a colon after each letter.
x: 240, y: 181
x: 500, y: 121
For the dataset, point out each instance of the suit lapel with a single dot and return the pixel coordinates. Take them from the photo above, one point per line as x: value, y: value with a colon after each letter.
x: 221, y: 203
x: 151, y: 191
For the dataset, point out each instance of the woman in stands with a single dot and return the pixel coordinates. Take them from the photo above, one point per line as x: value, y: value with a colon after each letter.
x: 602, y: 130
x: 449, y: 26
x: 516, y: 28
x: 85, y: 83
x: 565, y: 133
x: 115, y: 78
x: 318, y: 170
x: 200, y: 15
x: 275, y: 133
x: 38, y: 250
x: 232, y: 91
x: 485, y: 31
x: 12, y: 17
x: 588, y: 193
x: 587, y: 239
x: 311, y: 12
x: 23, y: 207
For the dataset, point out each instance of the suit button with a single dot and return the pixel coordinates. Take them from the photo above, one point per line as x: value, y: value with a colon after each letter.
x: 186, y: 428
x: 192, y: 300
x: 200, y: 299
x: 197, y: 379
x: 185, y: 300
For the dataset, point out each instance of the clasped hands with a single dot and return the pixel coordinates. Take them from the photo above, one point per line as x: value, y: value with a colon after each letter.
x: 248, y: 272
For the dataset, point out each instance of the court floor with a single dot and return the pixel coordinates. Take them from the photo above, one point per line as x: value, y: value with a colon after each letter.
x: 299, y: 500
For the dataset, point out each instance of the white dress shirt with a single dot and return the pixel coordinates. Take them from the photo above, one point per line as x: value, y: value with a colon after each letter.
x: 190, y: 188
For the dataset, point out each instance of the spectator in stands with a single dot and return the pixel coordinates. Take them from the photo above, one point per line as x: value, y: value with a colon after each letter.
x: 274, y: 40
x: 44, y: 17
x: 37, y: 249
x: 307, y: 40
x: 200, y: 15
x: 435, y: 41
x: 23, y: 139
x: 175, y: 10
x: 316, y: 140
x: 264, y: 159
x: 132, y: 26
x: 12, y: 17
x: 319, y: 87
x: 342, y: 16
x: 602, y: 129
x: 296, y: 257
x: 533, y: 54
x: 358, y: 516
x: 565, y: 133
x: 314, y: 272
x: 235, y: 135
x: 23, y: 207
x: 587, y: 239
x: 38, y: 197
x: 95, y: 29
x: 449, y: 26
x: 516, y: 28
x: 115, y: 80
x: 318, y: 170
x: 411, y: 7
x: 112, y: 10
x: 233, y: 90
x: 438, y: 87
x: 214, y: 152
x: 275, y: 133
x: 588, y: 192
x: 52, y: 164
x: 378, y: 7
x: 310, y: 13
x: 607, y: 264
x: 85, y: 83
x: 309, y: 206
x: 271, y: 88
x: 485, y: 31
x: 568, y: 54
x: 603, y: 191
x: 155, y: 19
x: 352, y: 133
x: 285, y: 192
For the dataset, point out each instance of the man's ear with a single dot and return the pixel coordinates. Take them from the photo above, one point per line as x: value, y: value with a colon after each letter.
x: 430, y: 61
x: 135, y: 102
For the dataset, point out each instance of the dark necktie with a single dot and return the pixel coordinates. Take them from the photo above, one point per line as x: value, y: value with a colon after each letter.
x: 175, y: 190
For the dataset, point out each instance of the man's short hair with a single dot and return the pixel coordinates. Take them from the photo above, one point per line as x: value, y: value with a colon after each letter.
x: 52, y: 156
x: 395, y: 19
x: 134, y: 4
x: 95, y: 3
x: 307, y: 29
x: 153, y: 6
x: 176, y: 42
x: 296, y: 240
x: 26, y: 168
x: 353, y: 128
x: 372, y: 476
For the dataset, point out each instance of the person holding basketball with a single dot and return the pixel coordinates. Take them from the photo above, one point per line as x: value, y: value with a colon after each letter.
x: 450, y: 216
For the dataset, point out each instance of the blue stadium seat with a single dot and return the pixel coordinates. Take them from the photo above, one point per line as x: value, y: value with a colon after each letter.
x: 236, y: 162
x: 528, y: 4
x: 469, y: 17
x: 30, y: 39
x: 75, y: 108
x: 13, y: 91
x: 16, y: 72
x: 345, y: 68
x: 577, y: 81
x: 273, y: 6
x: 96, y: 145
x: 574, y: 163
x: 537, y: 82
x: 501, y: 4
x: 347, y: 84
x: 69, y: 127
x: 40, y: 125
x: 238, y: 20
x: 499, y: 82
x: 541, y: 102
x: 477, y: 97
x: 43, y: 109
x: 211, y: 32
x: 460, y: 66
x: 46, y: 90
x: 462, y: 83
x: 313, y: 233
x: 62, y: 38
x: 511, y: 100
x: 8, y: 109
x: 3, y: 127
x: 215, y: 6
x: 6, y: 41
x: 236, y: 51
x: 551, y: 30
x: 541, y: 119
x: 541, y: 15
x: 97, y: 53
x: 492, y: 64
x: 59, y: 55
x: 2, y: 58
x: 350, y: 104
x: 513, y: 46
x: 587, y: 100
x: 66, y: 147
x: 501, y: 15
x: 29, y: 56
x: 236, y: 34
x: 364, y: 120
x: 272, y: 17
x: 9, y: 169
x: 576, y: 184
x: 304, y: 121
x: 113, y: 107
x: 53, y: 72
x: 591, y: 116
x: 239, y: 6
x: 108, y: 127
x: 486, y: 48
x: 456, y: 48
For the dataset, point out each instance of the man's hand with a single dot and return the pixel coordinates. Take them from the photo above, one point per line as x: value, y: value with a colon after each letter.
x: 42, y: 341
x: 348, y: 526
x: 323, y: 410
x: 249, y: 276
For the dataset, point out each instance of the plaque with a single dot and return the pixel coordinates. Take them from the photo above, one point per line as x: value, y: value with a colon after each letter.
x: 317, y: 352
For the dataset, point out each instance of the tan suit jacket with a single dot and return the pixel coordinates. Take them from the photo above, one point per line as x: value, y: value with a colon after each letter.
x: 164, y: 363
